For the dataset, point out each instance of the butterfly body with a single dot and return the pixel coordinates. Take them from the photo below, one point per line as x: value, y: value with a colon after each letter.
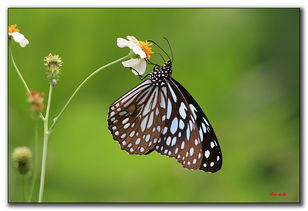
x: 160, y: 73
x: 160, y: 115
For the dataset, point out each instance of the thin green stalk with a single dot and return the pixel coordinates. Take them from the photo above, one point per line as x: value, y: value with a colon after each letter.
x: 20, y: 75
x: 45, y: 146
x: 24, y: 188
x: 35, y: 165
x: 81, y: 84
x: 18, y: 72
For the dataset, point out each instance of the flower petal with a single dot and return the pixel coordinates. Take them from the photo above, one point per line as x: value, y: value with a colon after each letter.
x: 24, y: 42
x: 133, y: 39
x: 20, y: 38
x: 137, y: 50
x: 140, y: 68
x: 17, y: 36
x: 131, y: 62
x: 121, y: 43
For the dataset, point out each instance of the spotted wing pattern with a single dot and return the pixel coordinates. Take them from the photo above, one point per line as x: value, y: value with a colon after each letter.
x: 211, y: 153
x: 135, y: 119
x: 179, y: 137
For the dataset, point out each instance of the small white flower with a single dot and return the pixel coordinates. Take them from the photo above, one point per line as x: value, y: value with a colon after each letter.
x: 17, y: 36
x: 141, y: 50
x: 20, y: 38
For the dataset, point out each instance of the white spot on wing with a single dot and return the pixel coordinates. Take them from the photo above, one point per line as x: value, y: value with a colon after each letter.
x: 174, y: 125
x: 169, y: 109
x: 187, y: 133
x: 181, y: 124
x: 206, y: 122
x: 126, y: 125
x: 155, y: 97
x: 173, y: 141
x: 201, y: 134
x: 172, y: 93
x: 138, y: 141
x: 165, y: 130
x: 125, y: 120
x: 162, y: 98
x: 191, y: 151
x: 151, y: 120
x: 143, y: 123
x: 193, y: 110
x: 182, y: 110
x: 182, y: 145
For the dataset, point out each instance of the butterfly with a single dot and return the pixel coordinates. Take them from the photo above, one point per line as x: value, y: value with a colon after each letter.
x: 160, y: 115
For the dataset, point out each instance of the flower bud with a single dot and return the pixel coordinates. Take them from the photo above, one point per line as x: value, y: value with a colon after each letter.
x: 22, y: 157
x: 53, y: 82
x: 53, y: 63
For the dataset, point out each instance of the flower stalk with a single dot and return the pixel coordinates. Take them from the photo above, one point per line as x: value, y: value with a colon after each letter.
x: 45, y: 146
x: 18, y: 72
x: 35, y: 166
x: 81, y: 84
x: 22, y: 78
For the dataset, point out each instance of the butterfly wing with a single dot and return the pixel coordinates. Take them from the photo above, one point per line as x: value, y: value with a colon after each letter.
x: 211, y: 156
x: 179, y: 137
x: 135, y: 119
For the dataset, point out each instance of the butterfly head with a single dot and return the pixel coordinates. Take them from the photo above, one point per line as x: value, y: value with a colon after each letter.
x: 168, y: 64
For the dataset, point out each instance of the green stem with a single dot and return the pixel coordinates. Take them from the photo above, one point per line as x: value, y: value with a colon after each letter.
x: 45, y: 146
x: 20, y: 75
x: 36, y: 155
x: 81, y: 84
x: 18, y: 72
x: 24, y: 188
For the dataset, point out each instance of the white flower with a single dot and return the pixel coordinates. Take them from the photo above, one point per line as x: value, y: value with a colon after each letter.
x: 141, y: 50
x: 17, y: 36
x: 20, y: 38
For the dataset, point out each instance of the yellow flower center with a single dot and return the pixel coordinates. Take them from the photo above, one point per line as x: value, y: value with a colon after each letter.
x: 12, y: 28
x: 145, y: 46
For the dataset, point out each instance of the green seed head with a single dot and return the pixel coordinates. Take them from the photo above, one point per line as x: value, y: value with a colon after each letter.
x: 22, y: 157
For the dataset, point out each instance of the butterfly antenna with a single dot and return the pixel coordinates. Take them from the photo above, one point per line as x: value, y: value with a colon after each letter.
x: 160, y: 56
x: 165, y: 38
x: 149, y: 62
x: 159, y: 48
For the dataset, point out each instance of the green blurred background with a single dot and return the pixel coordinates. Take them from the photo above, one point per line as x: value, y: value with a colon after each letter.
x: 241, y: 66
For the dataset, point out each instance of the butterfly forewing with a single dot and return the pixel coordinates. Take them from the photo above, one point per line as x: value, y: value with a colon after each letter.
x: 211, y: 157
x: 134, y: 118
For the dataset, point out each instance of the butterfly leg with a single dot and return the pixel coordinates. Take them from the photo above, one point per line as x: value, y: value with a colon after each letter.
x: 140, y: 76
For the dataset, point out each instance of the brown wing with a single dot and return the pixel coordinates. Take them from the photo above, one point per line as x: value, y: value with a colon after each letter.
x: 180, y: 137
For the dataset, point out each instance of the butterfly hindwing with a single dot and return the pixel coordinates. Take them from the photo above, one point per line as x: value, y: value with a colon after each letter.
x: 212, y: 156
